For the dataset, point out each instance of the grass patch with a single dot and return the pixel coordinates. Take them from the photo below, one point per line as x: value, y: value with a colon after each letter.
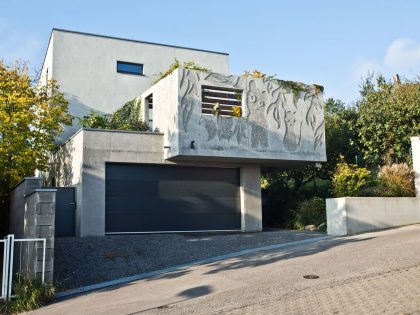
x: 30, y: 295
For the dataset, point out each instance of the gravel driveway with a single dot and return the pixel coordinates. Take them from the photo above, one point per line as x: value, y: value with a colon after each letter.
x: 89, y: 260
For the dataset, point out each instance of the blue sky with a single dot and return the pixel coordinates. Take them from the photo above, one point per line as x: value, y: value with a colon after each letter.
x: 333, y: 43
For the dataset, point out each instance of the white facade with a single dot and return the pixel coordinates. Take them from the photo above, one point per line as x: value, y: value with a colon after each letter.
x: 85, y: 67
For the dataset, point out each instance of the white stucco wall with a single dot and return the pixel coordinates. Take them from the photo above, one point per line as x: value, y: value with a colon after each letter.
x: 277, y: 124
x: 85, y: 67
x: 47, y: 71
x: 352, y: 215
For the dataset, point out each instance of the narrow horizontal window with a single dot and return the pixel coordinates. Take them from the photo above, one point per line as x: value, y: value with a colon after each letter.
x: 129, y: 68
x: 228, y: 102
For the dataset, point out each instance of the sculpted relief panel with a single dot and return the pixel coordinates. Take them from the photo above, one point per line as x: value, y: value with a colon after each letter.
x: 275, y: 119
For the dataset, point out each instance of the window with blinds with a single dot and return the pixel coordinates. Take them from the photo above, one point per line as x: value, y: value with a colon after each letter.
x: 225, y: 100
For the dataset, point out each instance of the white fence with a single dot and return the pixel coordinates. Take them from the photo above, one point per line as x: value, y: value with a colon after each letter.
x: 8, y: 260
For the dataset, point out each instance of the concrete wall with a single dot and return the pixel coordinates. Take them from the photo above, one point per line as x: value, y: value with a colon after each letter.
x: 277, y: 125
x: 415, y: 150
x: 17, y: 204
x: 39, y: 223
x: 102, y: 146
x: 85, y: 67
x: 353, y: 215
x: 165, y: 111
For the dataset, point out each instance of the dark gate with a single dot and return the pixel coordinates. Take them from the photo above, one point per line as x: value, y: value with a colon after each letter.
x: 158, y: 198
x: 65, y: 207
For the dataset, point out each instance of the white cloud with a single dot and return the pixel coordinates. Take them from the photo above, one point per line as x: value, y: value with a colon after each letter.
x: 401, y: 56
x: 362, y: 68
x: 403, y: 53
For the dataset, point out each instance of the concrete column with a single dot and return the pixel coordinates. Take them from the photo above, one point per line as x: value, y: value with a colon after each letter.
x: 251, y: 210
x: 415, y: 149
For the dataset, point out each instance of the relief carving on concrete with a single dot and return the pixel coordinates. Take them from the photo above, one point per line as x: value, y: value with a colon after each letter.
x: 315, y: 119
x: 189, y: 88
x: 256, y: 100
x: 275, y: 119
x: 210, y: 127
x: 293, y: 136
x: 222, y: 79
x: 277, y: 98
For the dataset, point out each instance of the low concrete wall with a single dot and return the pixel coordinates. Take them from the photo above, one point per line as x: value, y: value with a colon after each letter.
x: 352, y: 215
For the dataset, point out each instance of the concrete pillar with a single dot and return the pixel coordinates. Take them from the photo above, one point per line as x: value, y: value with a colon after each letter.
x: 251, y: 209
x: 39, y: 223
x: 415, y: 149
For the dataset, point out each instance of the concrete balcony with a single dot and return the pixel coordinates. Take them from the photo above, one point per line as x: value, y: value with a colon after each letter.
x: 279, y: 122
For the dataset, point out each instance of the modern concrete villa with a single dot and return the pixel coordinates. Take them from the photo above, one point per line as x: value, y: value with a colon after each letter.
x: 199, y: 166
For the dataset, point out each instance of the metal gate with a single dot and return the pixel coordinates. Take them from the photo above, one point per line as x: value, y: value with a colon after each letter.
x: 8, y: 260
x: 65, y: 206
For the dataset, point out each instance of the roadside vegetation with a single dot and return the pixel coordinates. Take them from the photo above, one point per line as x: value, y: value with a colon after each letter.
x: 30, y: 295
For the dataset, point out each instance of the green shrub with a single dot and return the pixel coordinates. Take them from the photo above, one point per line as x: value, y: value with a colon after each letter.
x: 349, y: 180
x: 190, y: 65
x: 309, y: 212
x: 396, y: 180
x: 125, y: 118
x: 30, y: 295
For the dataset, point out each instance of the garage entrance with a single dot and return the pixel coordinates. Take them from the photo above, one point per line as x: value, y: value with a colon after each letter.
x: 168, y: 198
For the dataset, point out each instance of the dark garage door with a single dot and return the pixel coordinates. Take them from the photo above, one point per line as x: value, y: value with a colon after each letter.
x: 152, y: 198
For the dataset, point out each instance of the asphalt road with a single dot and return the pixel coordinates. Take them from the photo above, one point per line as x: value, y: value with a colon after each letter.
x: 374, y: 273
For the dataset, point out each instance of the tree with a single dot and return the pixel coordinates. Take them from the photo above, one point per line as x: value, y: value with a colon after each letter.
x: 389, y: 114
x: 341, y: 134
x: 30, y: 119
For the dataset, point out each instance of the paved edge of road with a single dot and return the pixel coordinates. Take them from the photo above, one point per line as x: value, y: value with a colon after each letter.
x: 106, y: 284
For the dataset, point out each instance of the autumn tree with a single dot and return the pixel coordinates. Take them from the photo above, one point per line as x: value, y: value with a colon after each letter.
x: 31, y: 117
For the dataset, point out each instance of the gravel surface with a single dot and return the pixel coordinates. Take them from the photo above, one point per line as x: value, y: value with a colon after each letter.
x: 89, y: 260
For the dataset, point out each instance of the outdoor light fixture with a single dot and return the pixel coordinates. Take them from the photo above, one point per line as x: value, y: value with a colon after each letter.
x: 192, y: 145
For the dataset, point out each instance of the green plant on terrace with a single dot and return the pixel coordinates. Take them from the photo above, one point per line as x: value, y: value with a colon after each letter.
x: 295, y: 87
x: 125, y: 118
x: 190, y: 65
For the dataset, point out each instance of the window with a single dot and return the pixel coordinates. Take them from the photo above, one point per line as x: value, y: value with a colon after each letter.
x: 149, y: 110
x: 129, y: 68
x: 227, y: 101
